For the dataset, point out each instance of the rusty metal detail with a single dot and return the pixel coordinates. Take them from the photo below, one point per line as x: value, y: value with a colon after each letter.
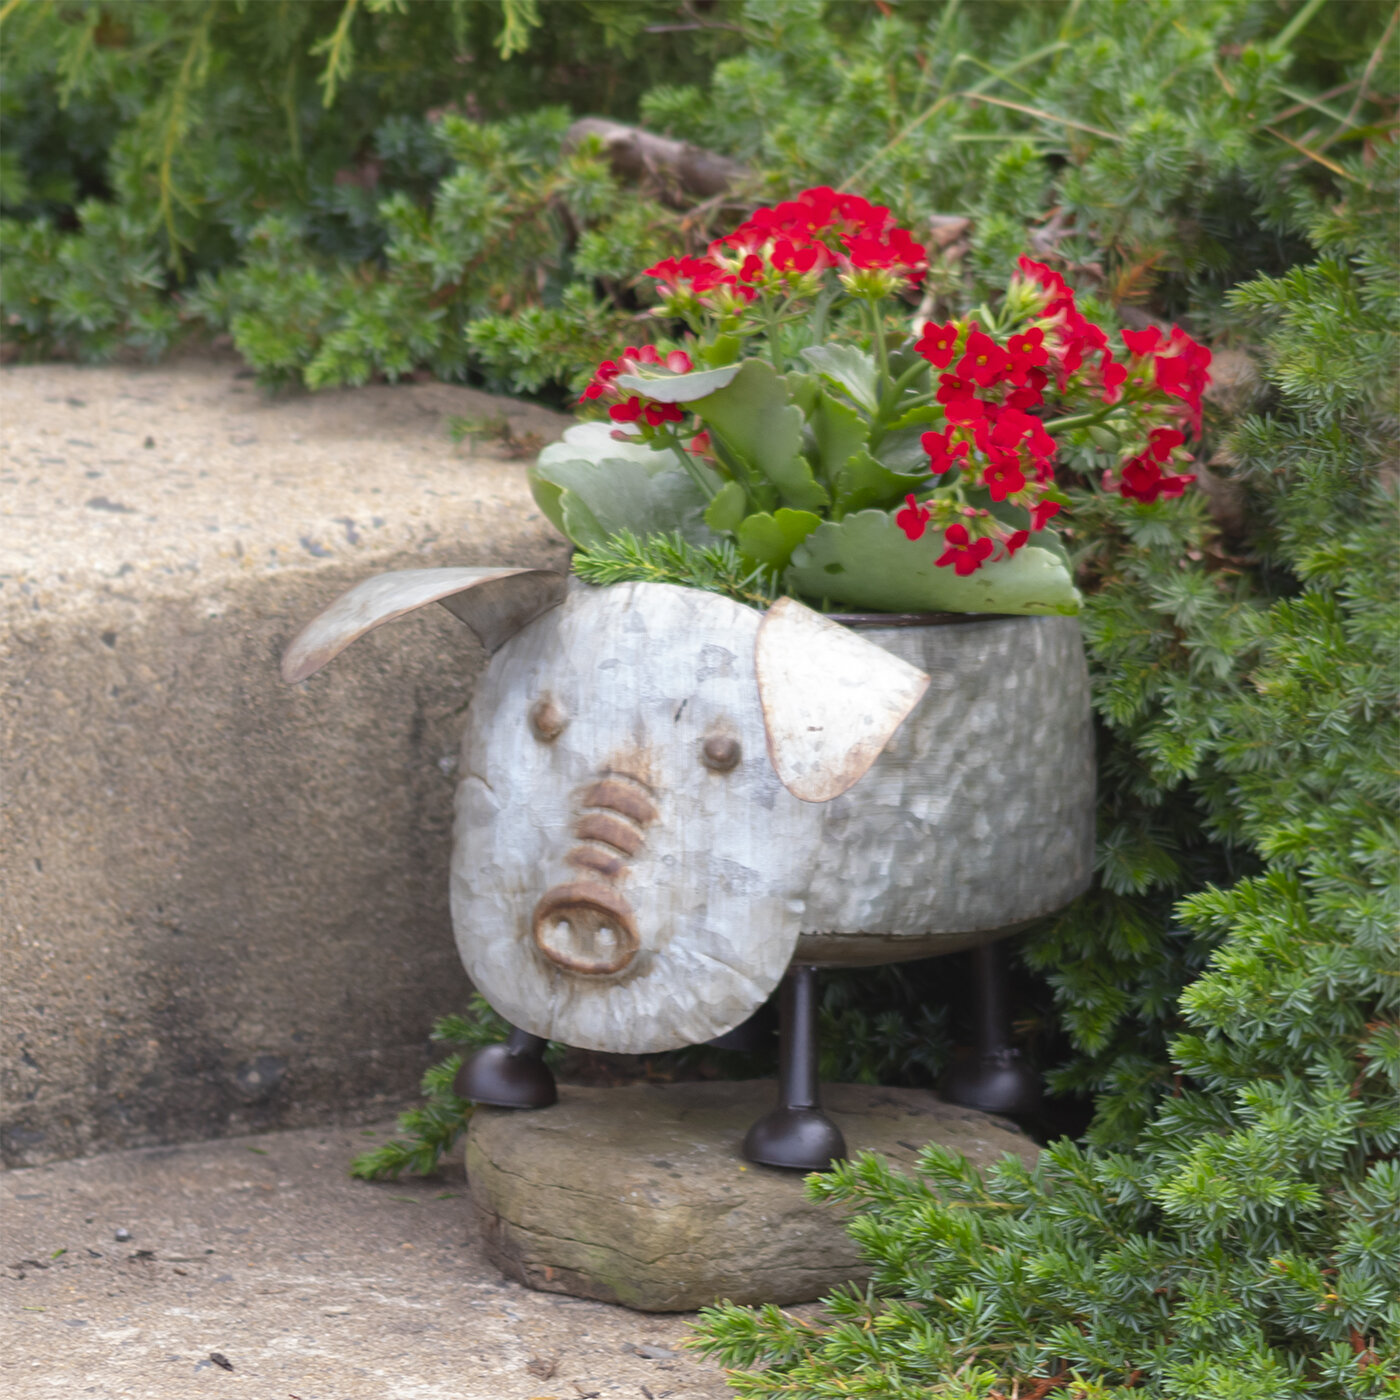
x: 720, y: 753
x: 547, y: 720
x: 586, y: 928
x: 831, y: 699
x: 494, y: 603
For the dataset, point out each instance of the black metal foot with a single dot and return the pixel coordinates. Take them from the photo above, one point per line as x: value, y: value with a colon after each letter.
x: 994, y: 1077
x: 512, y: 1074
x: 804, y: 1139
x: 797, y: 1134
x: 997, y: 1082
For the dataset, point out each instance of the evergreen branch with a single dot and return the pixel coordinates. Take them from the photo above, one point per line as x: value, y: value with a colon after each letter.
x: 339, y: 49
x: 717, y: 568
x: 520, y: 17
x: 177, y: 124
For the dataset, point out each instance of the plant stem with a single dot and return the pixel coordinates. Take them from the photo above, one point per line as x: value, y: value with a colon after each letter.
x: 692, y: 467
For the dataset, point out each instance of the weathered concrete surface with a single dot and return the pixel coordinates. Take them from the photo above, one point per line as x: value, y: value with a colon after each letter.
x: 223, y: 901
x: 310, y: 1284
x: 639, y: 1195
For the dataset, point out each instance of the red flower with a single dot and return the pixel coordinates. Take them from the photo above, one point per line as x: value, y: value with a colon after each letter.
x: 913, y: 519
x: 602, y: 380
x: 938, y: 343
x: 1015, y: 540
x: 659, y: 413
x: 1182, y: 369
x: 700, y: 443
x: 1027, y: 351
x: 1141, y: 342
x: 627, y: 412
x: 1058, y: 295
x: 1031, y: 395
x: 1042, y: 512
x: 983, y: 361
x: 790, y: 257
x: 1142, y: 480
x: 1002, y: 476
x: 952, y: 388
x: 1161, y: 441
x: 942, y: 453
x: 1113, y: 374
x: 752, y: 268
x: 965, y: 557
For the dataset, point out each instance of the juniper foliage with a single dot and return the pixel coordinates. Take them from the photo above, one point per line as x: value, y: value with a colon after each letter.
x: 1231, y: 1226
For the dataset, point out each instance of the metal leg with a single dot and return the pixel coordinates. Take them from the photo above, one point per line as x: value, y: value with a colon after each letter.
x: 994, y: 1078
x: 797, y: 1133
x: 512, y: 1074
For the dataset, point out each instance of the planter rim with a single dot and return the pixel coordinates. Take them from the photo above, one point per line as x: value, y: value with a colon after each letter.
x: 925, y: 619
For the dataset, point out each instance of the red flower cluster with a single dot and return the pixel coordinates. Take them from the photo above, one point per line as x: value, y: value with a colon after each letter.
x: 820, y: 229
x: 634, y: 409
x: 1142, y: 478
x: 1180, y: 365
x: 985, y: 401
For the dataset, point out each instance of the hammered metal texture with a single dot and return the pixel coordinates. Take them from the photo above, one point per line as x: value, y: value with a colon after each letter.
x: 979, y: 815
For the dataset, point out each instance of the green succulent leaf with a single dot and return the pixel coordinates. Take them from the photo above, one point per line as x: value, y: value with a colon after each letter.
x: 769, y: 540
x: 865, y: 482
x: 753, y: 420
x: 901, y: 448
x: 849, y: 369
x: 723, y: 350
x: 838, y: 433
x: 591, y: 486
x: 727, y: 509
x: 867, y: 562
x: 678, y: 388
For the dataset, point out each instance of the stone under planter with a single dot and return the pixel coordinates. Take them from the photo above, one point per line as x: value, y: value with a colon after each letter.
x: 638, y: 1195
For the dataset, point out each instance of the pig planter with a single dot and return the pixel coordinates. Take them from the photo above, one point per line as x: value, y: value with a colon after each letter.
x: 669, y: 800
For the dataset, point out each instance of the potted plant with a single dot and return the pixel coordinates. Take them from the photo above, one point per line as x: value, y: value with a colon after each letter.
x: 818, y: 694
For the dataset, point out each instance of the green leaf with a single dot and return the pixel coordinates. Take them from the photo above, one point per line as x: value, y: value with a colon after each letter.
x: 722, y: 350
x: 901, y: 449
x: 864, y: 482
x: 850, y: 369
x: 591, y: 485
x: 754, y: 421
x: 839, y: 432
x: 770, y: 539
x: 678, y: 388
x: 866, y: 561
x: 727, y: 509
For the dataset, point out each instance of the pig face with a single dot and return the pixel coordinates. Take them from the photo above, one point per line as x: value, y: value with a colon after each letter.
x: 637, y: 821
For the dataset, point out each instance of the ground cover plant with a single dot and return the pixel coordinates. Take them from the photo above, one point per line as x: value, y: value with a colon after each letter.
x: 1225, y: 998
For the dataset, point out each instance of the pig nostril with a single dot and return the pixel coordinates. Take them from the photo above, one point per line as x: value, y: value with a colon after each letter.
x: 720, y: 753
x: 586, y: 928
x: 547, y: 720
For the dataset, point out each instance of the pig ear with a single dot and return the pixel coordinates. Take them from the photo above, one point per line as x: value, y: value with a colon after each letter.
x: 831, y: 700
x: 494, y: 603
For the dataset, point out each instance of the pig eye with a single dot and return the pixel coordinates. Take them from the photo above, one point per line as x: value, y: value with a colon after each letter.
x: 547, y: 720
x: 720, y: 753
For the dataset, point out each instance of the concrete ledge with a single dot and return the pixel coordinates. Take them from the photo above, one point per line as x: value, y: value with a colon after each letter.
x: 223, y: 901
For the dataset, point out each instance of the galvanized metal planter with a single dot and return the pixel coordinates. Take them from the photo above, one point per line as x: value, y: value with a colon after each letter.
x: 668, y: 798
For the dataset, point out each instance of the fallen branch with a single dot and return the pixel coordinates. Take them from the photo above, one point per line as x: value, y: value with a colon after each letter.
x: 677, y: 169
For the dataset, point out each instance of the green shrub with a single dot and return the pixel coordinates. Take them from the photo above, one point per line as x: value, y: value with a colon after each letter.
x: 1231, y: 1227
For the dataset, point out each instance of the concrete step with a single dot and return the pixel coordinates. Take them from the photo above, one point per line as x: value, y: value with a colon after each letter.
x: 223, y: 901
x: 309, y: 1284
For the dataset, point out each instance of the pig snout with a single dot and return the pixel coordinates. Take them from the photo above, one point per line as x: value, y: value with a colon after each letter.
x: 587, y: 926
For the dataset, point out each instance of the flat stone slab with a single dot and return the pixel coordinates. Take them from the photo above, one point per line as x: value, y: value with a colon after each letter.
x: 308, y: 1283
x: 638, y: 1195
